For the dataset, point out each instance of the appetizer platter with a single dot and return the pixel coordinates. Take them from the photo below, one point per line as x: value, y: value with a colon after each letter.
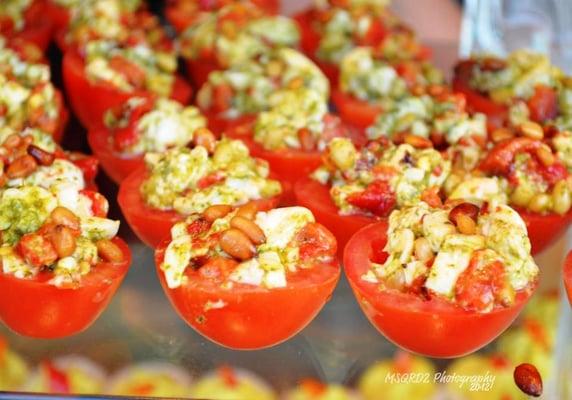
x: 210, y: 199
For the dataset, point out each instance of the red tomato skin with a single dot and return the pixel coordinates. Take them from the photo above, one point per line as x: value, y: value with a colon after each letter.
x: 567, y: 274
x: 497, y: 114
x: 316, y: 197
x: 151, y: 225
x: 34, y: 308
x: 200, y: 69
x: 543, y: 230
x: 90, y: 100
x: 37, y: 29
x: 115, y: 165
x: 59, y: 15
x: 219, y: 124
x: 448, y: 331
x: 63, y: 117
x: 353, y: 111
x: 242, y: 324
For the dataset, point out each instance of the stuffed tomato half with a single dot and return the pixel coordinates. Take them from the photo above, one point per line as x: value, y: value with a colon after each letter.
x: 139, y: 126
x: 25, y: 19
x: 28, y: 98
x: 332, y: 29
x: 110, y: 73
x: 61, y: 259
x: 219, y: 266
x: 182, y: 13
x: 522, y: 86
x: 235, y: 96
x: 180, y: 181
x: 354, y: 188
x: 291, y: 135
x: 360, y: 99
x: 232, y: 35
x: 460, y: 274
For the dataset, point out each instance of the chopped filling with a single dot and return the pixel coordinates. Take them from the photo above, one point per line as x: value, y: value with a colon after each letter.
x: 218, y: 172
x: 246, y: 88
x: 370, y: 77
x: 15, y: 10
x: 130, y: 68
x: 381, y: 177
x: 246, y: 246
x: 311, y: 389
x: 298, y: 119
x: 27, y: 97
x: 438, y: 115
x: 475, y: 257
x: 237, y: 33
x: 142, y: 125
x: 525, y: 172
x: 114, y: 20
x: 230, y: 383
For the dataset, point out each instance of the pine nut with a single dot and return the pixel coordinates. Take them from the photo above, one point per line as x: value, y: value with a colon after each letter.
x: 545, y: 155
x: 531, y: 130
x: 249, y: 228
x: 21, y: 167
x: 205, y: 138
x: 423, y: 250
x: 63, y: 240
x: 561, y: 198
x: 540, y: 203
x: 467, y: 209
x: 12, y: 141
x: 41, y: 156
x: 109, y: 251
x: 63, y: 216
x: 417, y: 141
x: 236, y: 244
x: 215, y: 212
x: 247, y: 210
x: 466, y: 225
x: 500, y: 134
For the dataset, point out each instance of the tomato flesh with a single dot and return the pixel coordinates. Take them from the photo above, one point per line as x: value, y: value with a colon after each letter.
x: 447, y: 330
x: 33, y: 307
x: 354, y: 111
x: 152, y: 225
x: 544, y: 229
x: 200, y: 69
x: 116, y: 165
x: 37, y: 29
x: 497, y: 114
x: 103, y: 96
x: 316, y: 197
x: 568, y: 276
x: 243, y: 323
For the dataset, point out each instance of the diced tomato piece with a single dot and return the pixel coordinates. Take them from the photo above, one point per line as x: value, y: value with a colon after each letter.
x: 142, y: 389
x: 124, y: 138
x: 210, y: 180
x: 89, y: 165
x: 99, y: 204
x: 500, y: 158
x: 409, y: 71
x: 537, y: 331
x: 315, y: 241
x: 217, y: 269
x: 222, y: 97
x: 228, y: 376
x: 132, y: 72
x: 499, y: 361
x: 378, y: 254
x: 478, y: 286
x: 374, y: 34
x: 313, y: 387
x: 198, y: 226
x: 36, y: 250
x: 554, y: 173
x: 378, y: 198
x: 543, y: 105
x: 58, y: 380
